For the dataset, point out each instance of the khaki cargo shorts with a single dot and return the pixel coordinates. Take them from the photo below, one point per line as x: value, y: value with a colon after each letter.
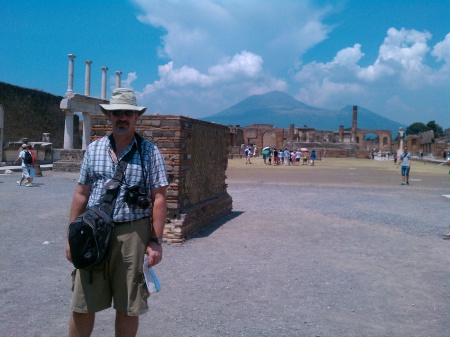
x: 120, y: 278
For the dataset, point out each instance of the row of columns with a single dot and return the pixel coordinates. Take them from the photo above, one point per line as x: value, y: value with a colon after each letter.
x: 68, y: 128
x: 87, y: 77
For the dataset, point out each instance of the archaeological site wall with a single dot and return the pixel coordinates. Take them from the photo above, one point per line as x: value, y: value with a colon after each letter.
x: 196, y: 155
x: 29, y: 113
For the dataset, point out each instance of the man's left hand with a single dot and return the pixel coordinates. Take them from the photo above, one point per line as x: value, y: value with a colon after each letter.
x: 154, y: 252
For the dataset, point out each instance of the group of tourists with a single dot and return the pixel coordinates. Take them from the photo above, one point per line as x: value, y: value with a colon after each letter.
x: 282, y: 157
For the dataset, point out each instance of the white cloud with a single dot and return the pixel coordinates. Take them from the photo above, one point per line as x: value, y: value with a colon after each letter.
x: 202, y: 33
x: 390, y: 85
x: 407, y: 47
x: 224, y: 51
x: 239, y: 76
x: 349, y: 56
x: 243, y: 64
x: 126, y: 83
x: 442, y: 50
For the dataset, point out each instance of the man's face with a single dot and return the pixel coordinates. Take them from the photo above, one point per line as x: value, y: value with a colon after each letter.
x: 123, y: 121
x: 405, y: 149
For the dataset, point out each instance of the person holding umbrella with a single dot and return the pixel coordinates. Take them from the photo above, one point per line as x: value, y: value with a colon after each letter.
x: 265, y: 152
x: 248, y: 153
x: 304, y: 156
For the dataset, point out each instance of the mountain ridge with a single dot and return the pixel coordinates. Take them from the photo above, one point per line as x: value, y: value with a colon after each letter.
x: 281, y: 110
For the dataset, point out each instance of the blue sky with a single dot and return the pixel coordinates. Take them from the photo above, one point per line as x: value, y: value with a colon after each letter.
x: 198, y: 57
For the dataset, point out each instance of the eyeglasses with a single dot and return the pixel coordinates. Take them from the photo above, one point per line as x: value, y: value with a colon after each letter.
x: 118, y: 113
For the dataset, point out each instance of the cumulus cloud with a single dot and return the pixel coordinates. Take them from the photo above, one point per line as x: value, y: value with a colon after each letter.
x: 127, y: 83
x: 201, y: 33
x: 442, y: 49
x: 387, y: 85
x: 224, y: 51
x: 202, y: 93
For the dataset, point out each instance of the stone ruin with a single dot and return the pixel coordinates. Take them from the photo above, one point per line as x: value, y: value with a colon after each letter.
x: 338, y: 144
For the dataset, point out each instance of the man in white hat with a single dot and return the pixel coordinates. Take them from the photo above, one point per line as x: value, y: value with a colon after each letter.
x: 120, y: 279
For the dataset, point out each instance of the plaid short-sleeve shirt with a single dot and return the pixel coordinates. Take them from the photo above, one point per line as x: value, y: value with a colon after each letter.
x: 98, y: 167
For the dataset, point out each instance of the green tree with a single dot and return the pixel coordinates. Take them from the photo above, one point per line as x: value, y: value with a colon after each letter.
x: 416, y: 128
x: 438, y: 131
x: 419, y: 127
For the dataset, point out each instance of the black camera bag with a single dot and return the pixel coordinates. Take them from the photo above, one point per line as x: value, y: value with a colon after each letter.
x: 89, y: 237
x: 90, y: 233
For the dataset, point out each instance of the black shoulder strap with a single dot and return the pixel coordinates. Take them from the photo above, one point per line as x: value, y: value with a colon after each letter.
x: 113, y: 185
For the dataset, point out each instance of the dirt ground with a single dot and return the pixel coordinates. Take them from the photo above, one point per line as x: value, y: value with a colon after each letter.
x: 335, y: 249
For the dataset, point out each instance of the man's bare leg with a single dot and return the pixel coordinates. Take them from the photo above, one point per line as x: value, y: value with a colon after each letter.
x: 81, y: 325
x: 126, y: 326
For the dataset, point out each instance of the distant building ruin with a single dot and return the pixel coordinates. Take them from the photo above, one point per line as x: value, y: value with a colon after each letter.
x: 337, y: 143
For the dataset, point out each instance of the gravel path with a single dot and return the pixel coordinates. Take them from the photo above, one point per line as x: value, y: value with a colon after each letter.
x: 340, y: 249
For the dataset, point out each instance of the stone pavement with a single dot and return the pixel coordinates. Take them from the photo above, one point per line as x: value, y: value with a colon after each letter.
x: 340, y: 249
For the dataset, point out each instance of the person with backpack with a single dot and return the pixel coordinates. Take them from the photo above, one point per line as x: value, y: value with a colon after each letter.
x: 139, y: 216
x: 26, y: 159
x: 33, y: 162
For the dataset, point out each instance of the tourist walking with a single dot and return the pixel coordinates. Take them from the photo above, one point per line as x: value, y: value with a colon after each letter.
x: 137, y: 230
x: 26, y: 159
x: 281, y: 155
x: 313, y: 157
x: 405, y: 160
x: 298, y: 154
x: 287, y: 157
x: 33, y: 162
x: 248, y: 154
x: 304, y: 158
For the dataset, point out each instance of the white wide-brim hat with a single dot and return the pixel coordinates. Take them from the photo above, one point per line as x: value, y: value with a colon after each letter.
x: 122, y: 99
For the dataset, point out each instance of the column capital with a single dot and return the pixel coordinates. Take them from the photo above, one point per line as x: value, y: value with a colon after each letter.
x: 72, y: 56
x: 118, y: 73
x: 88, y: 61
x: 104, y: 68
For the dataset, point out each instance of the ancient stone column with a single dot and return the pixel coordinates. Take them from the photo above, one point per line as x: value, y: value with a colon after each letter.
x: 341, y: 133
x: 354, y: 122
x: 68, y: 131
x: 86, y: 130
x: 118, y: 73
x: 400, y: 137
x: 104, y: 69
x: 70, y: 79
x: 87, y: 78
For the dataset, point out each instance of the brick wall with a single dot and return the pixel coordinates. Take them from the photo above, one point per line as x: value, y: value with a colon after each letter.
x: 196, y: 155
